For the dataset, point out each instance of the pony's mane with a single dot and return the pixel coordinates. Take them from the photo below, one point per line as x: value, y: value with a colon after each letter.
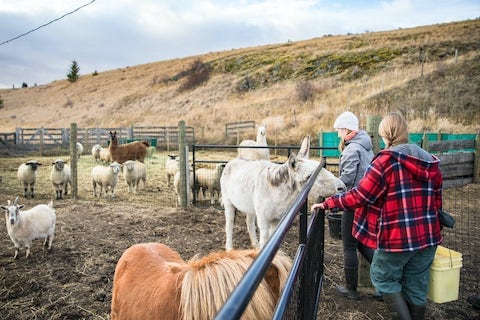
x: 207, y: 283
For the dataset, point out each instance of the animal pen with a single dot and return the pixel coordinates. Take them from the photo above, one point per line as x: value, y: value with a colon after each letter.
x: 459, y: 165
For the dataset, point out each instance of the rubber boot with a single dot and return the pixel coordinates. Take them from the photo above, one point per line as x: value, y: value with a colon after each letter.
x: 417, y: 312
x: 397, y: 306
x: 474, y: 301
x: 351, y: 279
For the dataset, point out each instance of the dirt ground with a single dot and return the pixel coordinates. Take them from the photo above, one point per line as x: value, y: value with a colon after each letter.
x: 74, y: 280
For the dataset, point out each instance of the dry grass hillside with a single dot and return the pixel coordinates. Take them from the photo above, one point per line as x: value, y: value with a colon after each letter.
x: 430, y: 73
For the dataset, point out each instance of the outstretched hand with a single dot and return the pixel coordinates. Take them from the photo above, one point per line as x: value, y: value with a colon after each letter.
x: 316, y: 206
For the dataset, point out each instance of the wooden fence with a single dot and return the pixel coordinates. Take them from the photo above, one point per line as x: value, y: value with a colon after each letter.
x: 459, y: 160
x: 238, y: 129
x: 162, y: 137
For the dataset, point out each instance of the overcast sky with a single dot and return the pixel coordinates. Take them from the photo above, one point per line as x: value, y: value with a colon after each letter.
x: 105, y: 35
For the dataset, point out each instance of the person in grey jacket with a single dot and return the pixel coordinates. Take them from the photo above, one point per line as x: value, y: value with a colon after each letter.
x: 356, y: 148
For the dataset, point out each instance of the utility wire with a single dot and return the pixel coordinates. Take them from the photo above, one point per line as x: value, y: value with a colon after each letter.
x: 46, y: 24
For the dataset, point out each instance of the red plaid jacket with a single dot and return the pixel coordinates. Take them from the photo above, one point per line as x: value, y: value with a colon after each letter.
x: 396, y: 202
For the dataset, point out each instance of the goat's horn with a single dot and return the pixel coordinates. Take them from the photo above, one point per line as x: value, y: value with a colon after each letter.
x: 15, y: 202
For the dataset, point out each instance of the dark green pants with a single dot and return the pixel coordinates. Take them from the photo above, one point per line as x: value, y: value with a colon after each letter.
x: 406, y: 272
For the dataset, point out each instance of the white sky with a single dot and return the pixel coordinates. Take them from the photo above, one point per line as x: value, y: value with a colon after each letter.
x: 106, y: 35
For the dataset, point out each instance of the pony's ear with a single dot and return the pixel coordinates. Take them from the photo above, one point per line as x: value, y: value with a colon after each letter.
x: 174, y: 267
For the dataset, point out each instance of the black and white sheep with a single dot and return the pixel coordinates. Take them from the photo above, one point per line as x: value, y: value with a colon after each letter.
x: 96, y: 149
x: 171, y: 167
x: 106, y: 178
x: 133, y: 173
x: 27, y: 175
x: 25, y: 226
x: 209, y: 179
x: 60, y: 176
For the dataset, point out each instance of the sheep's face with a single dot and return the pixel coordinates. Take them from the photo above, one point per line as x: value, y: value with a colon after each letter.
x: 33, y: 164
x: 59, y: 165
x: 129, y: 165
x: 116, y: 167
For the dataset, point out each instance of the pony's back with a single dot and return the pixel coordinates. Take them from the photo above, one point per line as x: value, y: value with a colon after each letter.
x: 208, y: 282
x: 144, y: 285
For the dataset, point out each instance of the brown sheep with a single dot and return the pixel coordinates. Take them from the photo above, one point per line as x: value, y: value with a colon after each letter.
x: 120, y: 153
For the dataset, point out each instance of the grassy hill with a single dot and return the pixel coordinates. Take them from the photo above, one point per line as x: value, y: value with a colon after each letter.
x: 430, y: 73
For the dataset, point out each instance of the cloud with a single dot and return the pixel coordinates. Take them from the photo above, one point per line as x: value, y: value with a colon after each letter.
x: 106, y: 35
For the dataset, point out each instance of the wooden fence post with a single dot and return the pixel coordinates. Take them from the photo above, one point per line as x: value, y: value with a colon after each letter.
x: 476, y: 159
x: 372, y: 130
x: 41, y: 141
x: 73, y: 159
x: 182, y: 164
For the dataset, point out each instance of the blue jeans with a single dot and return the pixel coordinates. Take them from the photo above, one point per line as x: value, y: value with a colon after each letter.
x: 406, y: 272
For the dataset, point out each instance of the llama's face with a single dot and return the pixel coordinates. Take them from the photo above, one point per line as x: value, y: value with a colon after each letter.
x: 262, y: 130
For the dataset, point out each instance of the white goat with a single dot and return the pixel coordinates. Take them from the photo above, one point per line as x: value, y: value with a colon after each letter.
x: 264, y: 190
x: 255, y: 153
x: 133, y: 173
x: 60, y: 176
x: 96, y: 149
x: 171, y: 167
x: 24, y: 226
x: 105, y: 177
x: 209, y: 179
x: 27, y: 175
x: 79, y: 149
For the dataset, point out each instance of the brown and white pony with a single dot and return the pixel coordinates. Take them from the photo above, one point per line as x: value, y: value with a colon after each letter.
x: 153, y: 282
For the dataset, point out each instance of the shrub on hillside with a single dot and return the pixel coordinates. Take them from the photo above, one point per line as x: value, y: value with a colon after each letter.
x: 305, y: 91
x: 197, y: 74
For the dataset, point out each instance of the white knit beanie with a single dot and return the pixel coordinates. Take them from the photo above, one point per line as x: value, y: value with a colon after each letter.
x: 346, y: 120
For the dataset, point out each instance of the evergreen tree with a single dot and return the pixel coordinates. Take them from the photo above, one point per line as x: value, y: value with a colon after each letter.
x: 73, y: 73
x: 1, y: 102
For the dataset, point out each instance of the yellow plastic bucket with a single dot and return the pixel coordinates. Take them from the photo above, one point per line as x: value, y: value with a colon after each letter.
x: 445, y: 275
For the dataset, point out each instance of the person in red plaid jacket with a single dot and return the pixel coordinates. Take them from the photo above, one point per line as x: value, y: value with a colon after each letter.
x: 396, y: 212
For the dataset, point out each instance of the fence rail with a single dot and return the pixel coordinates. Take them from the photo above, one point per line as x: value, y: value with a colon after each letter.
x: 161, y: 136
x: 238, y: 129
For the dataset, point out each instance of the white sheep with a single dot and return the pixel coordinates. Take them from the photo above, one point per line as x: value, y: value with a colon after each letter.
x: 24, y: 226
x: 27, y: 175
x: 105, y: 177
x: 133, y: 173
x: 150, y: 152
x: 171, y: 167
x: 176, y: 184
x: 79, y: 149
x: 60, y: 176
x: 105, y: 155
x: 96, y: 149
x: 209, y: 179
x: 255, y: 153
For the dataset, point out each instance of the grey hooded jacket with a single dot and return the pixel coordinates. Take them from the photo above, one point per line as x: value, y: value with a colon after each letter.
x: 355, y: 158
